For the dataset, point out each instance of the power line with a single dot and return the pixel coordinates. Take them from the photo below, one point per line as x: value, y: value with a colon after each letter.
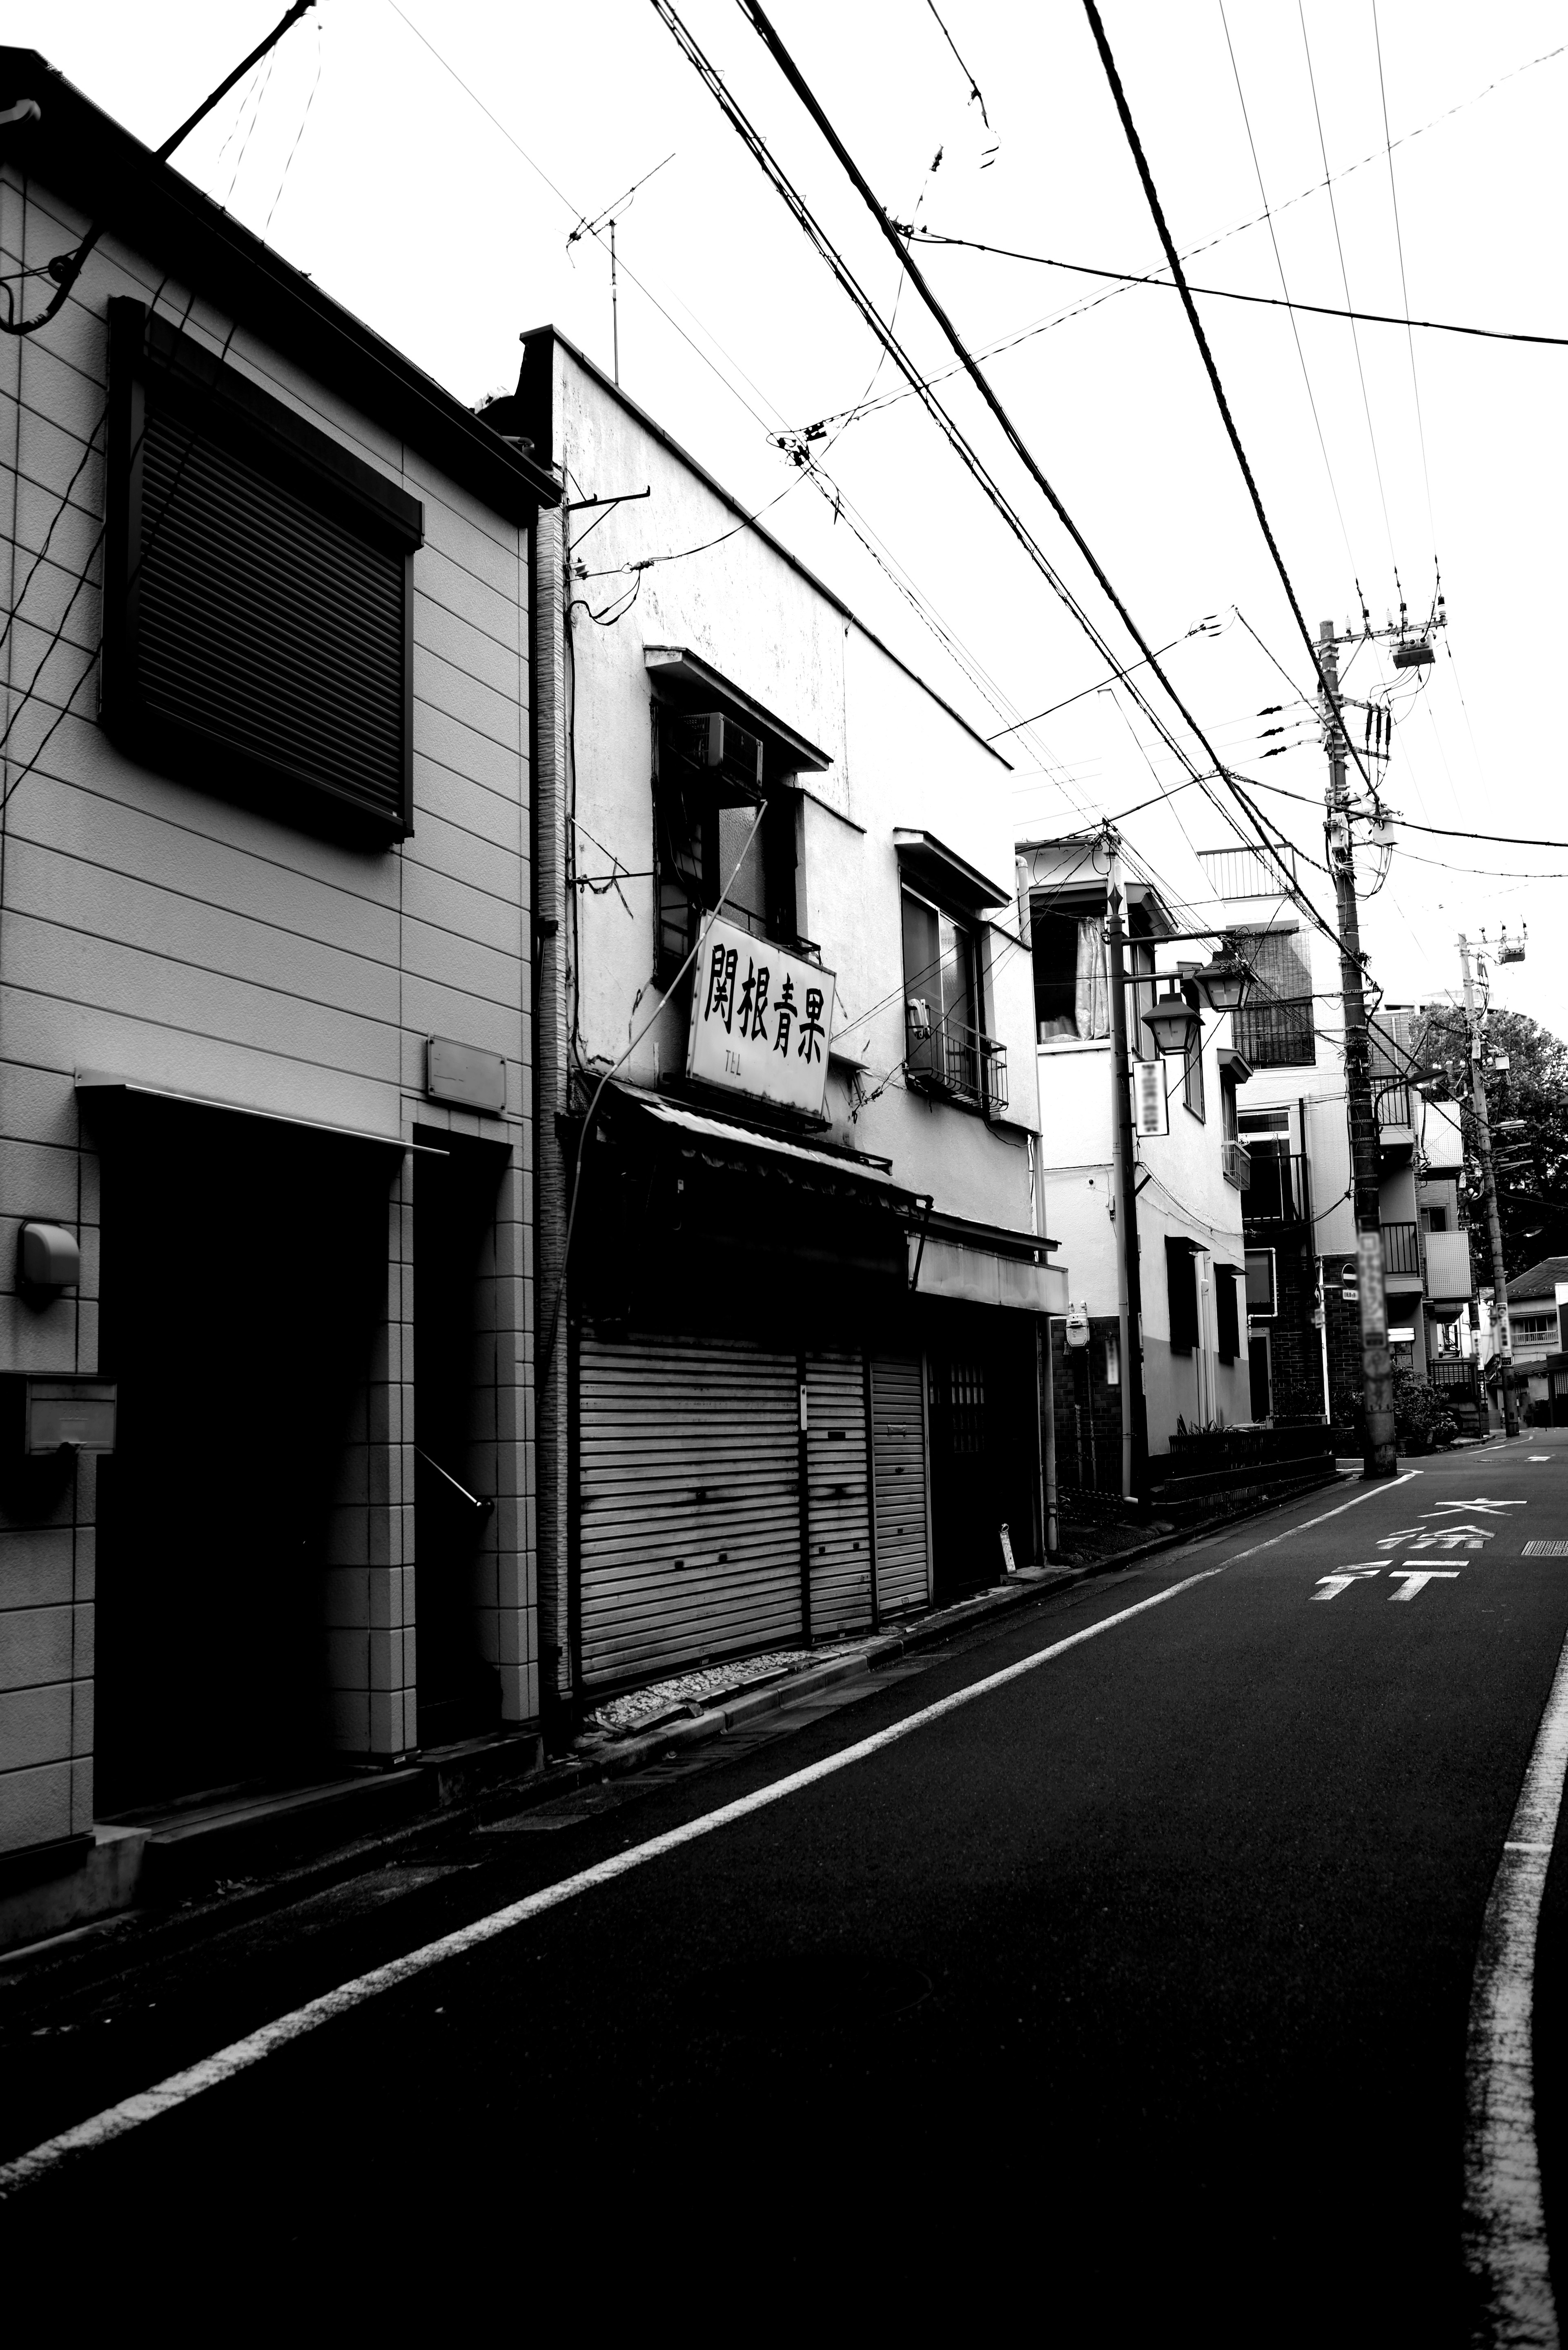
x: 973, y: 85
x: 759, y: 20
x: 1345, y: 281
x: 67, y: 268
x: 1174, y: 258
x: 1284, y: 288
x: 1162, y: 284
x: 1404, y: 289
x: 1080, y: 309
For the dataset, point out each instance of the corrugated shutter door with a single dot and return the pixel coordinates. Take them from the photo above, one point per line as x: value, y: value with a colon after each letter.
x: 836, y: 1474
x: 689, y: 1495
x: 899, y: 1460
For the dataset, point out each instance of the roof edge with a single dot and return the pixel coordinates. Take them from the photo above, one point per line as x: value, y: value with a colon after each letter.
x: 710, y: 482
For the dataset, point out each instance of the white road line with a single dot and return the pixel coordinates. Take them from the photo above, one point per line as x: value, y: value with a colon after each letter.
x: 1337, y: 1511
x: 100, y: 2130
x: 1505, y: 2223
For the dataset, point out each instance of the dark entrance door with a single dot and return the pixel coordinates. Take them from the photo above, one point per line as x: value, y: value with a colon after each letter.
x: 965, y: 1539
x: 454, y: 1402
x: 245, y: 1266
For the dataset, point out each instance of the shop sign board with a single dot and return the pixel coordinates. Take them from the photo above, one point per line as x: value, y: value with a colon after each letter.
x: 761, y: 1020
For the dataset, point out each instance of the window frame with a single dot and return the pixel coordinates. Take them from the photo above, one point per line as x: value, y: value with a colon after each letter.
x: 1185, y: 1290
x: 781, y: 800
x: 250, y: 424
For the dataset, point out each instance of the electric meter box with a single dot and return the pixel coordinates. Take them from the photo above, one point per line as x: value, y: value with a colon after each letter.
x: 45, y: 1416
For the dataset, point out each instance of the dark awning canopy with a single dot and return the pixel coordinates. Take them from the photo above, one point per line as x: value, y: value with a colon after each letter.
x: 792, y: 753
x: 108, y: 1095
x: 949, y: 877
x: 653, y: 1119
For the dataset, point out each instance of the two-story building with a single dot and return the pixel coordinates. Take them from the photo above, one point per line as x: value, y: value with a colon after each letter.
x: 1303, y: 1308
x: 1191, y: 1169
x: 265, y: 1315
x: 791, y: 1256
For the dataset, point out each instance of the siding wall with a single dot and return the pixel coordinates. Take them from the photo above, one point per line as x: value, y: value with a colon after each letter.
x: 157, y: 934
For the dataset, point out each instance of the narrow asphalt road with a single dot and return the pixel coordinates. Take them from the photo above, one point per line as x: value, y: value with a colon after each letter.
x: 1125, y: 1999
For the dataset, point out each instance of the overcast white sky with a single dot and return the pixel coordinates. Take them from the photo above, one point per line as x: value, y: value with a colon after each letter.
x: 365, y: 162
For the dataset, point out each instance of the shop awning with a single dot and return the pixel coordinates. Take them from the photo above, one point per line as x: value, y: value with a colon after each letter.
x: 722, y: 1139
x: 98, y: 1091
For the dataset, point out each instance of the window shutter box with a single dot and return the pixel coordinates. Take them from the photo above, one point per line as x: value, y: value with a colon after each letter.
x: 257, y: 595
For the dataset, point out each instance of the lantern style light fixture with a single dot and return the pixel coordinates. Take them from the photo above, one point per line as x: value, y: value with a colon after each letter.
x: 1225, y: 981
x: 1173, y: 1023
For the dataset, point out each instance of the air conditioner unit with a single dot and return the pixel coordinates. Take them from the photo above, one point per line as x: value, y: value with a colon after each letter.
x: 717, y: 744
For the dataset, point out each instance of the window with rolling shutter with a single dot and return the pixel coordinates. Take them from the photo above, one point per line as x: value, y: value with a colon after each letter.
x: 258, y: 603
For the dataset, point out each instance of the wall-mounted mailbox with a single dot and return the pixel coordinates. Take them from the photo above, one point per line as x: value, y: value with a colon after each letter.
x: 464, y: 1074
x: 47, y: 1257
x: 59, y: 1415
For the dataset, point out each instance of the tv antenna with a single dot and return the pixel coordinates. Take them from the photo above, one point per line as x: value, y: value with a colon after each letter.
x: 596, y: 226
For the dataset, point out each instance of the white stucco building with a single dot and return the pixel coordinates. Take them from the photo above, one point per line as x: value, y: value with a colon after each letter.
x: 789, y: 1383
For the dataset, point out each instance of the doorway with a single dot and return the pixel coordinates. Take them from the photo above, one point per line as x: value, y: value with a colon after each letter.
x: 244, y: 1276
x: 456, y: 1179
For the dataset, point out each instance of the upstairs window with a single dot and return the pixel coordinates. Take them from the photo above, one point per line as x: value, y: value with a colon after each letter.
x: 1275, y: 1028
x: 257, y: 594
x: 1072, y: 977
x: 709, y: 785
x: 1227, y: 1318
x: 1181, y: 1294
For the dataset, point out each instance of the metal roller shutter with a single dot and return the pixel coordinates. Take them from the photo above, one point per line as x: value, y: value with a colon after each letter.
x: 837, y: 1484
x: 898, y: 1477
x: 689, y: 1506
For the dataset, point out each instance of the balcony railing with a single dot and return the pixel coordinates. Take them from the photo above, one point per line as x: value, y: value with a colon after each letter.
x: 680, y: 917
x: 1402, y: 1249
x: 943, y: 1057
x: 1277, y: 1193
x: 1394, y: 1105
x: 1235, y: 1165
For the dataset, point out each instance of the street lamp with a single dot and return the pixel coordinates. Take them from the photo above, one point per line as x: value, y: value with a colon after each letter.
x: 1174, y: 1024
x: 1225, y: 983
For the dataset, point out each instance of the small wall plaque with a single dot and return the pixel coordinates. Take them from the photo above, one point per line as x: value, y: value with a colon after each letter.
x: 464, y: 1074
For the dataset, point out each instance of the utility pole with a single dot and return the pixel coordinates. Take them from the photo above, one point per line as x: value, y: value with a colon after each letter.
x: 1489, y: 1184
x: 1129, y: 1276
x: 1379, y: 1458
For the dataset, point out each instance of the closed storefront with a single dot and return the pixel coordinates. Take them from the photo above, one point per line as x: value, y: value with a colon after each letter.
x: 898, y: 1483
x: 838, y: 1519
x: 689, y: 1540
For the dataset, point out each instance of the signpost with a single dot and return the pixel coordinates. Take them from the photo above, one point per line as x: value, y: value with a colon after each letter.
x: 761, y: 1019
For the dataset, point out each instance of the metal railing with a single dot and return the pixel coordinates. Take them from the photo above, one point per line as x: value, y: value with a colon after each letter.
x: 943, y: 1057
x: 1235, y: 1165
x: 1402, y: 1248
x: 1277, y: 1193
x: 1394, y: 1105
x: 680, y: 916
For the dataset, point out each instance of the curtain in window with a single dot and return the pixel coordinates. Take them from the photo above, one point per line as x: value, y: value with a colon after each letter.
x: 1092, y: 1001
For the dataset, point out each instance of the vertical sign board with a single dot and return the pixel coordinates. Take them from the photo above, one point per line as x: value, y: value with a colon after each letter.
x: 1151, y: 1106
x: 1369, y: 1281
x: 761, y: 1019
